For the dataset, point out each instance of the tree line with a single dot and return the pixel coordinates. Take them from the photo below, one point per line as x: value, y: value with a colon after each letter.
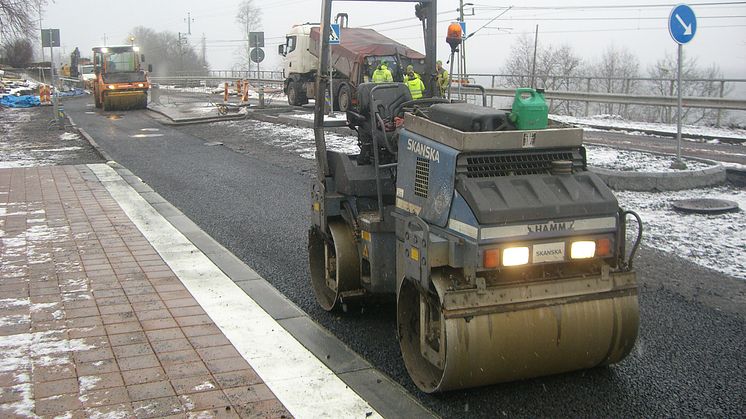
x: 616, y: 70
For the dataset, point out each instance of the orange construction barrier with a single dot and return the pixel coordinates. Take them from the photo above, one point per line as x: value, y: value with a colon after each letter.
x: 45, y: 94
x: 239, y: 87
x: 225, y: 92
x: 245, y: 93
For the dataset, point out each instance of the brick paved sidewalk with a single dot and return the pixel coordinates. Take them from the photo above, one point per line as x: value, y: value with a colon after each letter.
x: 93, y: 323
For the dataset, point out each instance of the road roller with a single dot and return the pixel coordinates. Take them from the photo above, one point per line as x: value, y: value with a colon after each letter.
x: 508, y: 258
x: 120, y: 83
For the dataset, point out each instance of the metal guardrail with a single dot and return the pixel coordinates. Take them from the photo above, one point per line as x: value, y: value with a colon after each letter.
x: 625, y: 99
x: 597, y: 97
x: 197, y: 81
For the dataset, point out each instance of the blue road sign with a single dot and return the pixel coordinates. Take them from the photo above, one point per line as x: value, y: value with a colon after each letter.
x: 334, y: 34
x: 682, y: 24
x: 463, y: 29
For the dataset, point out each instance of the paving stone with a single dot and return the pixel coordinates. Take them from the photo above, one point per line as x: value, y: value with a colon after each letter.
x: 157, y: 408
x: 145, y: 375
x: 154, y: 390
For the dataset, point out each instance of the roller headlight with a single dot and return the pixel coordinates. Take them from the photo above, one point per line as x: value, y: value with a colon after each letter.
x: 140, y: 85
x: 515, y: 256
x: 583, y: 250
x: 112, y: 87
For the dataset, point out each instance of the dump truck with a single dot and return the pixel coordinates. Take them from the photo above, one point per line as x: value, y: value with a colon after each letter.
x: 353, y: 61
x: 507, y: 257
x: 120, y: 81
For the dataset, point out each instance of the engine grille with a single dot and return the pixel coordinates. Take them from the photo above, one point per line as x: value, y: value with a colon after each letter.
x: 518, y: 163
x: 422, y: 177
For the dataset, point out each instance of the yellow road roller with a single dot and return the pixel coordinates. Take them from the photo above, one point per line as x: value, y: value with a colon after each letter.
x: 120, y: 83
x: 508, y: 258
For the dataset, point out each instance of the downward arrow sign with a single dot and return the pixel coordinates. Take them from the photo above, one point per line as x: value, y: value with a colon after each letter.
x: 687, y: 28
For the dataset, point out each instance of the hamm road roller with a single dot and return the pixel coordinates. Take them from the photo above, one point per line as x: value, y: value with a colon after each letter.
x: 508, y: 258
x: 120, y: 81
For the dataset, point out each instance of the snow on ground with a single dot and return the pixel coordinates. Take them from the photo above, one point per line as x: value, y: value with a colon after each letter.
x: 297, y: 140
x: 617, y: 122
x: 25, y: 350
x: 714, y: 241
x: 15, y: 152
x: 635, y: 161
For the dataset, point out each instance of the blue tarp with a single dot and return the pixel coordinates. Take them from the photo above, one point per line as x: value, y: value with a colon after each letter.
x: 20, y: 101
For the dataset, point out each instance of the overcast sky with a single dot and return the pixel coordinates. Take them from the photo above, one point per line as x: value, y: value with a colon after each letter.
x: 589, y: 27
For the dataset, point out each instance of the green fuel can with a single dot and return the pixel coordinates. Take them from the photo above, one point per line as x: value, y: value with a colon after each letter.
x: 530, y: 110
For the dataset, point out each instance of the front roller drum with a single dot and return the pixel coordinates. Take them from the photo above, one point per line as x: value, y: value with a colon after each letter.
x: 444, y: 351
x: 335, y: 265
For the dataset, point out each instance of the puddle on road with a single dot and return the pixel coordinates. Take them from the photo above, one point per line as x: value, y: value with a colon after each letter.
x: 146, y: 135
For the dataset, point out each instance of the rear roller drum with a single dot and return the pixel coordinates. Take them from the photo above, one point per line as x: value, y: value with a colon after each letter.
x: 335, y: 266
x: 449, y: 349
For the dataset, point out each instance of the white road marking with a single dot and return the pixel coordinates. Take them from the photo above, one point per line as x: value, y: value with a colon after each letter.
x: 150, y: 129
x: 306, y: 387
x: 146, y: 135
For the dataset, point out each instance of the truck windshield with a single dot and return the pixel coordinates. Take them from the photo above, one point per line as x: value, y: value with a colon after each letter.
x: 291, y: 41
x: 120, y: 62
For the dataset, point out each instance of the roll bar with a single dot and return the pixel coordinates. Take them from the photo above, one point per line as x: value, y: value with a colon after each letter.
x: 322, y: 75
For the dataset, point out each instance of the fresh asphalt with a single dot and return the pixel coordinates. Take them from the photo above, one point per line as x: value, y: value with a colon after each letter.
x: 688, y: 361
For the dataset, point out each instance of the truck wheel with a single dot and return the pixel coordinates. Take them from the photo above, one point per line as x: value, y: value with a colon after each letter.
x: 293, y: 93
x: 343, y: 98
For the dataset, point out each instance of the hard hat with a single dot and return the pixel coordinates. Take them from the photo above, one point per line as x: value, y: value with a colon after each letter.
x: 410, y: 67
x: 439, y: 62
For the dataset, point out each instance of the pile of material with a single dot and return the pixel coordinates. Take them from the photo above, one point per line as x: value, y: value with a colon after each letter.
x: 16, y: 92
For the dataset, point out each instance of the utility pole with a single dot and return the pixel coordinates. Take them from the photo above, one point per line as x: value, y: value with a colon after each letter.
x: 189, y: 21
x: 204, y: 51
x: 462, y: 56
x: 41, y: 69
x: 533, y: 63
x: 181, y: 53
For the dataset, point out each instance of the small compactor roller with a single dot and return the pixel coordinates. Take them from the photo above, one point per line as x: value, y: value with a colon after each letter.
x: 508, y: 258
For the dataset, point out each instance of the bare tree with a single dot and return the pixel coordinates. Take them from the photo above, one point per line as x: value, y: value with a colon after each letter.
x: 249, y: 18
x: 696, y: 81
x: 18, y: 53
x: 18, y: 18
x: 614, y: 73
x: 167, y: 52
x: 555, y: 68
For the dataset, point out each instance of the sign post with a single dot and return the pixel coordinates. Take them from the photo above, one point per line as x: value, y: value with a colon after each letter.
x: 334, y: 39
x: 682, y: 25
x: 51, y: 38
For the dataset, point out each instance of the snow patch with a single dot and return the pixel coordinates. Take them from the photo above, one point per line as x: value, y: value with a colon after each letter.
x: 87, y: 382
x: 204, y: 386
x: 713, y: 241
x: 636, y: 161
x: 617, y: 122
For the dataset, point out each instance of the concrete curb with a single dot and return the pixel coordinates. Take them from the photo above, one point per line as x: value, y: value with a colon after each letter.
x: 383, y: 394
x: 661, y: 181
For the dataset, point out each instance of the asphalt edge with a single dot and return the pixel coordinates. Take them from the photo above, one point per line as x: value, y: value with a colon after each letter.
x: 383, y: 394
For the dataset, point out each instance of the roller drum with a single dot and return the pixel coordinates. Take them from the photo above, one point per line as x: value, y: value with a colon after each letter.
x: 482, y: 345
